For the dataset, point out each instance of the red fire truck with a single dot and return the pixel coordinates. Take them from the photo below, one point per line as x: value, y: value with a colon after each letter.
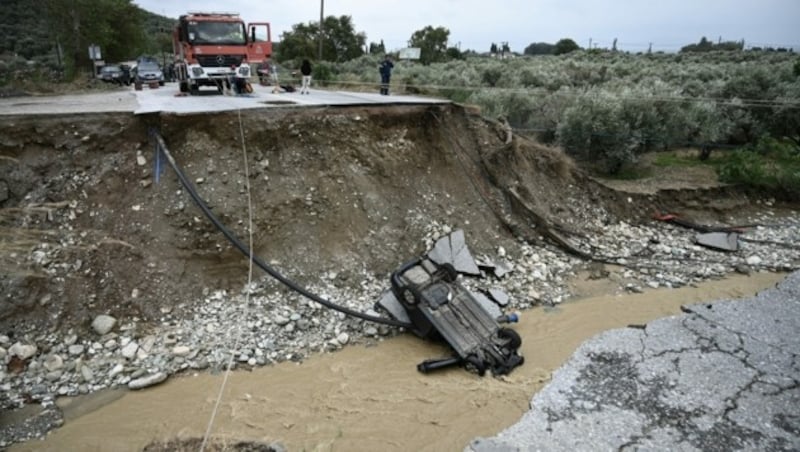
x: 212, y: 47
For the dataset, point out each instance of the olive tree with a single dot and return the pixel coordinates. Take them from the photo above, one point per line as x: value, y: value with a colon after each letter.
x: 432, y: 43
x: 340, y: 41
x: 593, y: 129
x: 565, y: 46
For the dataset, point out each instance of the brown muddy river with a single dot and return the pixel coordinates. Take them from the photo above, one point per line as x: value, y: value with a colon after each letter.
x: 367, y: 398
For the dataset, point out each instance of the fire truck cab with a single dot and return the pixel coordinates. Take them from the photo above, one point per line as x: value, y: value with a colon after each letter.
x: 212, y: 47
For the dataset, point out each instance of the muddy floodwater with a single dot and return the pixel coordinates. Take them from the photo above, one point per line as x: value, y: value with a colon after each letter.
x: 367, y: 397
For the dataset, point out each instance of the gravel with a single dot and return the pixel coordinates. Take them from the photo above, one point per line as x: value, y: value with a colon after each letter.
x: 263, y: 323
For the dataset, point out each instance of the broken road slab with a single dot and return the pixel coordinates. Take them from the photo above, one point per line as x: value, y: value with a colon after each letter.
x: 722, y: 376
x: 725, y: 241
x: 167, y: 99
x: 452, y: 249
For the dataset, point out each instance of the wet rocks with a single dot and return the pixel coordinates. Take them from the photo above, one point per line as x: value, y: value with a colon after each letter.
x: 22, y: 351
x: 53, y: 363
x: 129, y: 350
x: 102, y: 324
x: 271, y: 325
x: 146, y: 381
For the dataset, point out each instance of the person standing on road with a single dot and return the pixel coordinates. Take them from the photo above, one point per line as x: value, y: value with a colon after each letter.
x: 273, y: 73
x: 386, y: 74
x: 305, y: 71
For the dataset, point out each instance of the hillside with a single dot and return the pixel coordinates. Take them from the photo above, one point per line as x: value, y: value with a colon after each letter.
x: 351, y: 191
x: 27, y: 28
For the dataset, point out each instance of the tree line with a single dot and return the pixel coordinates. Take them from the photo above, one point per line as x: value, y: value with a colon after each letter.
x: 58, y: 33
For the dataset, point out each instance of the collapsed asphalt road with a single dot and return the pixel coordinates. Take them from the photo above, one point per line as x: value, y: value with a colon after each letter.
x: 722, y: 376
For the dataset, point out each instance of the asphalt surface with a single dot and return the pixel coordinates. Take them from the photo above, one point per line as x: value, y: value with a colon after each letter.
x: 723, y: 376
x: 168, y: 99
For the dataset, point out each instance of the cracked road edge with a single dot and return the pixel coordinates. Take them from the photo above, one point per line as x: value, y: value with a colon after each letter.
x: 722, y: 376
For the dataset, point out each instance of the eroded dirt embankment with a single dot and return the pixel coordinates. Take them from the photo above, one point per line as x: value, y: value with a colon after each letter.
x: 89, y: 226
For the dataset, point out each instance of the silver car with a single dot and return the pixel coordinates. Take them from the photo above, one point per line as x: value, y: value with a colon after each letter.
x: 149, y: 72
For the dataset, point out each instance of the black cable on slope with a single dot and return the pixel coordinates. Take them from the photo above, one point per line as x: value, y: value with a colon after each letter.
x: 246, y: 251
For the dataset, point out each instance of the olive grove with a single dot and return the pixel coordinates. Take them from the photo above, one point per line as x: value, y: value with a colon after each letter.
x: 615, y: 106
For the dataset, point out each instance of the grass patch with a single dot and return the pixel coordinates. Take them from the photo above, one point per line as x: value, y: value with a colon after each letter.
x: 632, y: 173
x: 668, y: 159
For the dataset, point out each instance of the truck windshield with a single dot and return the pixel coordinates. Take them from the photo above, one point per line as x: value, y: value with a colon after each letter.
x: 216, y: 33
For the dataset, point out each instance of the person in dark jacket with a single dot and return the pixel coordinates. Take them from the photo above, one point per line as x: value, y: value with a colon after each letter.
x: 386, y: 74
x: 305, y: 71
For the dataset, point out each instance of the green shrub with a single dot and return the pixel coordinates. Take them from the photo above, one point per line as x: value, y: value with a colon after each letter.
x: 322, y: 73
x: 769, y: 164
x: 593, y: 129
x: 491, y: 76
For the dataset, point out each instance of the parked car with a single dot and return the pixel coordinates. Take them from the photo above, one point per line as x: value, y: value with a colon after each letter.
x: 148, y: 71
x: 114, y: 73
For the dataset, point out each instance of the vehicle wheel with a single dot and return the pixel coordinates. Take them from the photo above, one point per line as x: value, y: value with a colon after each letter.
x: 184, y: 87
x: 477, y: 365
x: 410, y: 296
x: 161, y: 83
x: 514, y: 341
x: 450, y: 272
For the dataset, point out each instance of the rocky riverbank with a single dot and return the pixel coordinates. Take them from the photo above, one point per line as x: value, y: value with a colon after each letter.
x: 264, y: 324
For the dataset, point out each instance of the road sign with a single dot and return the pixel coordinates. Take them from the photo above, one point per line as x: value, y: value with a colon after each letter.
x: 409, y: 53
x: 94, y: 52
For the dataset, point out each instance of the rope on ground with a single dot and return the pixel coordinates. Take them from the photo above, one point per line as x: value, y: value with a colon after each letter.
x: 238, y: 334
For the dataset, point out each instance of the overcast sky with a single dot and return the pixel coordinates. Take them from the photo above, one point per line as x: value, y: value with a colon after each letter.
x: 476, y: 24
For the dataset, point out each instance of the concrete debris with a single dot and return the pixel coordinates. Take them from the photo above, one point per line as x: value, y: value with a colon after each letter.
x: 499, y: 296
x: 389, y: 302
x: 452, y: 249
x: 725, y: 241
x: 499, y: 268
x: 488, y: 305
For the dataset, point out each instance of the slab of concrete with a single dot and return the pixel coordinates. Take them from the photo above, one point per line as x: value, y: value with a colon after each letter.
x: 452, y: 249
x: 723, y: 376
x: 105, y: 102
x: 390, y: 303
x: 168, y: 99
x: 725, y: 241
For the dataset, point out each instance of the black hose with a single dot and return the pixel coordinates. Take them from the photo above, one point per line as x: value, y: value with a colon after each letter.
x: 246, y: 251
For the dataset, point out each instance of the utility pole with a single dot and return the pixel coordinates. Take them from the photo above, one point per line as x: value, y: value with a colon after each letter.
x: 321, y: 16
